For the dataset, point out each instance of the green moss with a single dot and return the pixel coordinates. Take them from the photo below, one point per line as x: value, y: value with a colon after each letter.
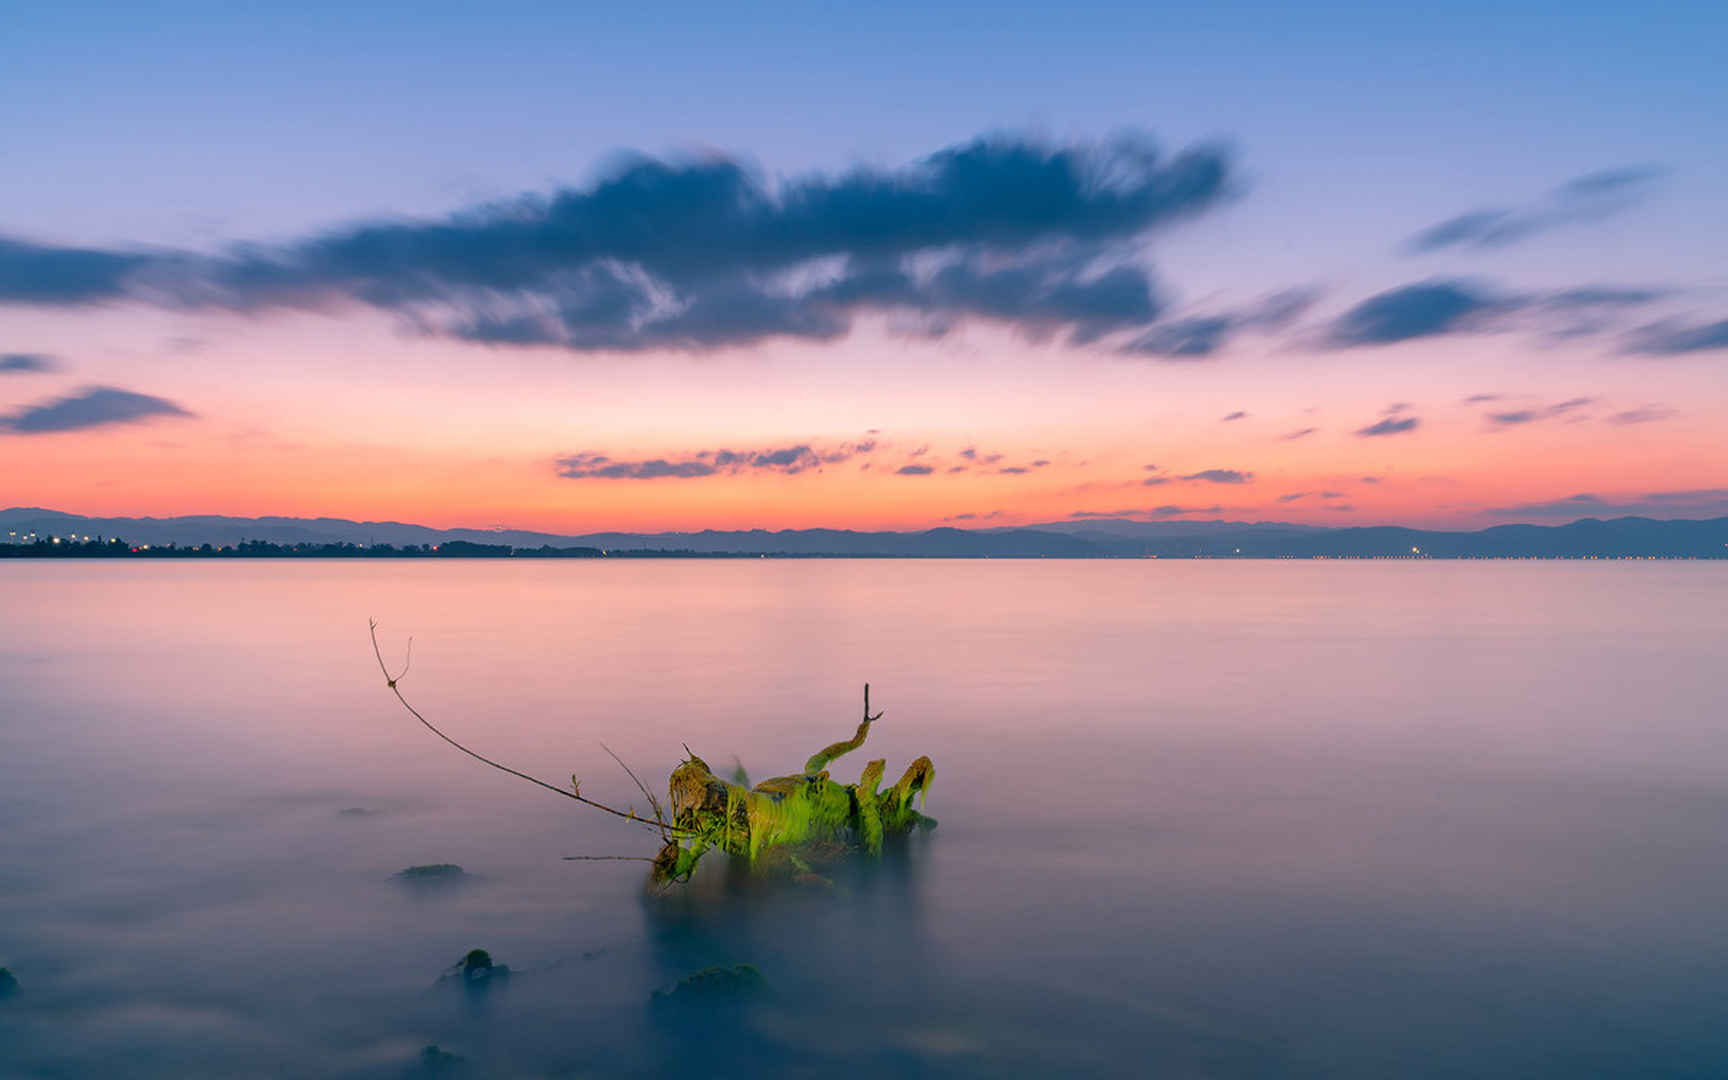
x: 809, y: 811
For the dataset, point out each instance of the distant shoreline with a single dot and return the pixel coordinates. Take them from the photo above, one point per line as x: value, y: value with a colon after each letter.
x: 38, y: 533
x: 460, y: 550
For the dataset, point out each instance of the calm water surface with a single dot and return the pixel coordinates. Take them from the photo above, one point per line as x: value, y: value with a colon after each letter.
x: 1199, y: 819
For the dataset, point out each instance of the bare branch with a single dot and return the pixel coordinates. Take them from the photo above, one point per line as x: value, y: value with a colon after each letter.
x: 428, y: 725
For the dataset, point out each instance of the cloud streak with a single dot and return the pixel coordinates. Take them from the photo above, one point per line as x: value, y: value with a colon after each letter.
x: 1199, y: 337
x: 1677, y: 339
x: 1441, y: 306
x: 786, y: 461
x: 27, y: 363
x: 1589, y: 198
x: 1219, y: 476
x: 91, y: 407
x: 1392, y: 425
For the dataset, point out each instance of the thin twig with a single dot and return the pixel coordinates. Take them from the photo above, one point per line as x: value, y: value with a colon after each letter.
x: 391, y: 682
x: 659, y: 818
x: 607, y: 858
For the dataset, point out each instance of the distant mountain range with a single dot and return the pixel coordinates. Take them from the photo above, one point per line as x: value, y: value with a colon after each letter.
x: 1109, y: 538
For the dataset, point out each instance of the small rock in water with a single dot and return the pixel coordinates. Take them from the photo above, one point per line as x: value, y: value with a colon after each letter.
x: 355, y: 811
x: 435, y: 1062
x: 433, y: 874
x: 714, y: 986
x: 8, y: 983
x: 476, y: 970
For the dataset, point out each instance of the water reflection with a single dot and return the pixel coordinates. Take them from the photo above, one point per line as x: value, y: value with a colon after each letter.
x: 1223, y: 820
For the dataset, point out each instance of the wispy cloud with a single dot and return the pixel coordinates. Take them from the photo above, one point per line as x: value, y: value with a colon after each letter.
x: 787, y: 460
x: 1391, y: 425
x: 1198, y: 337
x: 1220, y: 476
x: 1677, y: 338
x: 27, y: 363
x: 1587, y: 199
x: 1648, y: 414
x: 1517, y: 417
x: 1443, y: 306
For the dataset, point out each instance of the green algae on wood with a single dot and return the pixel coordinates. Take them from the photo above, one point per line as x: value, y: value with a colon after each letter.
x: 807, y: 811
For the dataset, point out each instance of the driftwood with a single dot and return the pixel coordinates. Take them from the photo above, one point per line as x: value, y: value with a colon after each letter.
x: 777, y: 824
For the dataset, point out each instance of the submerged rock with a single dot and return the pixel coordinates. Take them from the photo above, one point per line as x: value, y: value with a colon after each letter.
x: 436, y: 1062
x: 716, y: 985
x: 433, y: 874
x: 476, y: 970
x: 8, y: 983
x: 355, y: 811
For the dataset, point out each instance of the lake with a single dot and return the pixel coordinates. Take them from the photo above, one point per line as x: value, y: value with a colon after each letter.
x: 1198, y: 819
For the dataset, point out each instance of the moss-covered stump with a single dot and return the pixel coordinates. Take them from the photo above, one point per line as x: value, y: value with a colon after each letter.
x: 782, y: 819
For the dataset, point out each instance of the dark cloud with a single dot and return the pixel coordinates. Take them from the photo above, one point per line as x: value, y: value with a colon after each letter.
x: 39, y: 274
x: 1481, y: 399
x: 1014, y: 470
x: 24, y: 363
x: 1200, y: 336
x: 1170, y: 510
x: 601, y: 467
x: 787, y: 460
x: 1451, y: 306
x: 1371, y: 479
x: 1675, y: 339
x: 1237, y: 415
x: 914, y: 470
x: 1300, y: 433
x: 1293, y: 496
x: 1390, y: 426
x: 1220, y: 476
x: 1041, y: 463
x: 1587, y: 199
x: 1414, y: 311
x: 1155, y: 481
x: 93, y: 406
x: 706, y: 253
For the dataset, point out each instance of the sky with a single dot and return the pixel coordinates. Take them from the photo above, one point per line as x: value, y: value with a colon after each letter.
x: 577, y: 268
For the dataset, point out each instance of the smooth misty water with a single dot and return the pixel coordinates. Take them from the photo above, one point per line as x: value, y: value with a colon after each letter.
x: 1199, y: 819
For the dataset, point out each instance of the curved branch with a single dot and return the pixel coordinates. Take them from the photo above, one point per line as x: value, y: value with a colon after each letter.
x: 391, y: 682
